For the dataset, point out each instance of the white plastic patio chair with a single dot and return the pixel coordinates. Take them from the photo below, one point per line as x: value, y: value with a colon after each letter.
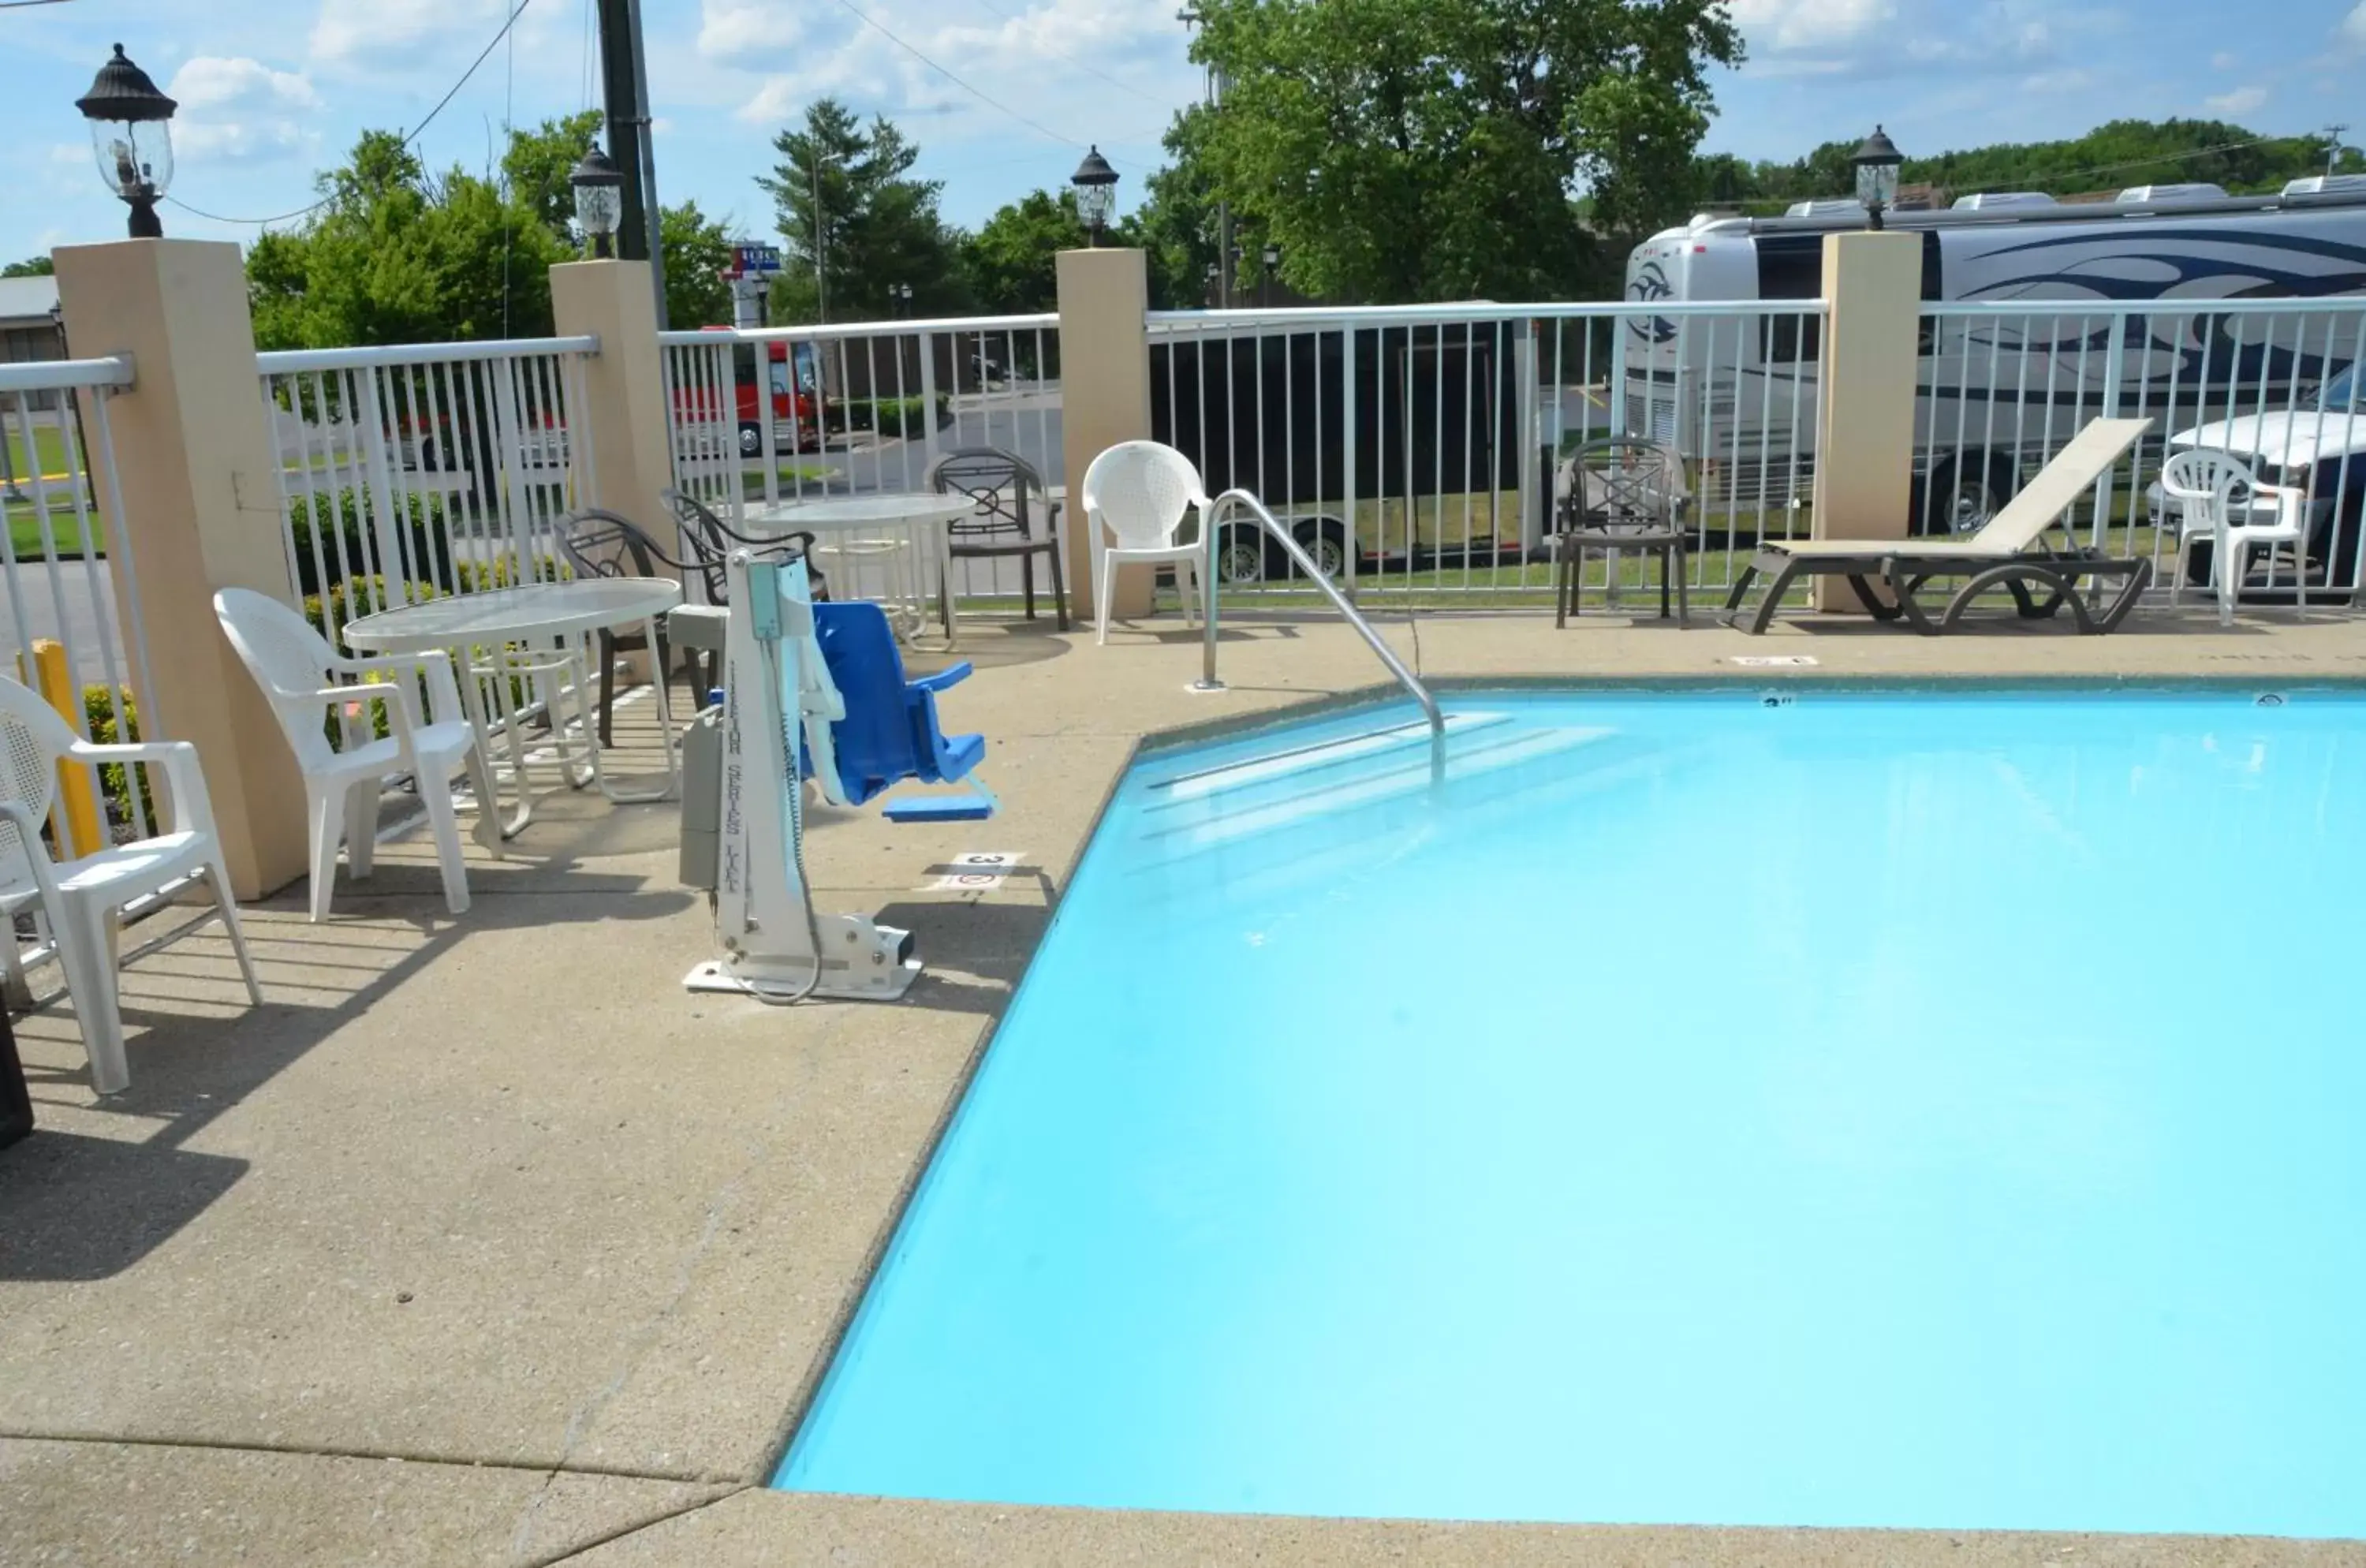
x: 81, y: 900
x: 2217, y: 497
x: 295, y: 666
x: 1138, y: 493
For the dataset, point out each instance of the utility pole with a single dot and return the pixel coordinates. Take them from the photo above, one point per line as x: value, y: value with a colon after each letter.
x: 821, y: 288
x: 1217, y: 83
x: 2333, y: 134
x: 625, y: 83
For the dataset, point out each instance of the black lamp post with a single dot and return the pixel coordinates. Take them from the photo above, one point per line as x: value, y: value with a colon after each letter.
x: 131, y: 132
x: 1877, y: 175
x: 599, y: 199
x: 1096, y: 184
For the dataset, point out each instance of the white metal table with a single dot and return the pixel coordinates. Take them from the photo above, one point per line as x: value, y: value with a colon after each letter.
x: 533, y: 613
x: 921, y: 518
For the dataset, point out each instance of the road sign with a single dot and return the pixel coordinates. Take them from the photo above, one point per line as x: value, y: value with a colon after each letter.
x: 749, y: 259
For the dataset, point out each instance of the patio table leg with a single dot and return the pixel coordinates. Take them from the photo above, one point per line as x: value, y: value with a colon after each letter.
x: 491, y: 826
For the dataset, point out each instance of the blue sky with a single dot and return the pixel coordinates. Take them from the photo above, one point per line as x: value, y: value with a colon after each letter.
x: 273, y: 90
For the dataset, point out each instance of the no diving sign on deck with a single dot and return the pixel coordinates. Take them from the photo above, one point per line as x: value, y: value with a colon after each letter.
x: 979, y: 871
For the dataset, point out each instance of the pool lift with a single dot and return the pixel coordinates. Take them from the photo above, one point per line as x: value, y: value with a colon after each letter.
x: 743, y: 765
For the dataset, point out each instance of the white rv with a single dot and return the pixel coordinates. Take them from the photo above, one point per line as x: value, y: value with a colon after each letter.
x: 1999, y: 389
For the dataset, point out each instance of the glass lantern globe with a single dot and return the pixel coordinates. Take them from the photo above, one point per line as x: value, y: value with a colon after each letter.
x: 131, y: 137
x: 1878, y: 162
x: 598, y: 187
x: 1096, y: 184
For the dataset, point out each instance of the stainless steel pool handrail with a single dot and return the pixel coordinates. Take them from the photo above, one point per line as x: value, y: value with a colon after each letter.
x: 1211, y: 529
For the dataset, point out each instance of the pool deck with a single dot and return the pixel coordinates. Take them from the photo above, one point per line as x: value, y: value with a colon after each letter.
x: 483, y: 1241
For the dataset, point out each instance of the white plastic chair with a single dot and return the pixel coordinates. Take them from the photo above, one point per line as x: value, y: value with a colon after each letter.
x: 2218, y: 496
x: 295, y: 665
x: 81, y: 900
x: 1139, y: 492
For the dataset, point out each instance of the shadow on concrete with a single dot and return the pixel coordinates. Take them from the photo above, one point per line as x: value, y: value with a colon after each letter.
x: 964, y: 943
x: 81, y: 1208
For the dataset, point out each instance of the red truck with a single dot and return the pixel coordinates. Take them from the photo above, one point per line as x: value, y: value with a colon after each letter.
x: 792, y: 397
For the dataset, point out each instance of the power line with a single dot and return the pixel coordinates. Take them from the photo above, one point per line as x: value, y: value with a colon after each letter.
x: 420, y: 130
x: 877, y: 26
x: 1084, y: 65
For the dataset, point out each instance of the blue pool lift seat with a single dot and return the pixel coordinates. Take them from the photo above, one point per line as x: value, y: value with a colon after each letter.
x: 890, y: 732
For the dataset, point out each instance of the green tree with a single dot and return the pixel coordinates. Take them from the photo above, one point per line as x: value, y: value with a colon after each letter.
x: 395, y: 255
x: 1404, y: 150
x: 31, y: 266
x: 848, y: 187
x: 696, y: 250
x: 539, y: 163
x: 1010, y: 259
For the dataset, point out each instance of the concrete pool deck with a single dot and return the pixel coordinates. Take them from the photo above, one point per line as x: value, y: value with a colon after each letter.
x: 484, y: 1242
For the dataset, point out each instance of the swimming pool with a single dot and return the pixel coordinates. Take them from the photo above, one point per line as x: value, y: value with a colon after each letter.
x: 1875, y: 1109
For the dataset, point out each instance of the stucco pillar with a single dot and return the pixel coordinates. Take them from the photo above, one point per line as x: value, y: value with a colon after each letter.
x: 1104, y: 397
x: 623, y: 411
x: 194, y: 502
x: 1864, y: 456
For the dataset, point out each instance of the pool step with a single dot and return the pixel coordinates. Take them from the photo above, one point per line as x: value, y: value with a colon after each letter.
x: 1204, y: 782
x: 1405, y: 773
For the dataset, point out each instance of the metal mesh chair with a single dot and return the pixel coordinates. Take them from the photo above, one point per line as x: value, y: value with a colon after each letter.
x: 1620, y: 492
x: 1008, y: 492
x: 600, y: 543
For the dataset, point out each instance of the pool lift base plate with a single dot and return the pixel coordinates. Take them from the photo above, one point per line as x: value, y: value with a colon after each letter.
x: 878, y: 965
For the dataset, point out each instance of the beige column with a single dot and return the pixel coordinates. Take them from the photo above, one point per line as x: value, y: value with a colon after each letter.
x: 623, y: 411
x: 1865, y: 457
x: 1104, y: 397
x: 194, y: 496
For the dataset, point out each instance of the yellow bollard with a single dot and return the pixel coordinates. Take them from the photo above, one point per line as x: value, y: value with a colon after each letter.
x: 77, y: 808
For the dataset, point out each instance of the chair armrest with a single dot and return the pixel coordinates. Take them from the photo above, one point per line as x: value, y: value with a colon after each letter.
x: 952, y: 675
x: 184, y: 780
x: 402, y: 715
x: 2292, y: 504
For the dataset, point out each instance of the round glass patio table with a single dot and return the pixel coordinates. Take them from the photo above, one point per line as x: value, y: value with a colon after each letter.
x: 544, y: 613
x: 921, y: 518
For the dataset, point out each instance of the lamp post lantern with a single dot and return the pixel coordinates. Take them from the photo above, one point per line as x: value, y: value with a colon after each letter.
x: 599, y: 199
x: 1877, y: 175
x: 1096, y: 184
x: 131, y: 133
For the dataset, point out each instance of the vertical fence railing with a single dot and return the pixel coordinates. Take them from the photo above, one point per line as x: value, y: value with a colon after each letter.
x: 2004, y: 384
x: 69, y: 584
x: 770, y: 415
x: 1425, y: 452
x: 430, y: 468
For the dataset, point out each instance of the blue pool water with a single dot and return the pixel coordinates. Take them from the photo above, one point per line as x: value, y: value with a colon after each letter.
x: 1881, y: 1110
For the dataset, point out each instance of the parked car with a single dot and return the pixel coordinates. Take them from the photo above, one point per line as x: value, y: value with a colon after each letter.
x: 2320, y: 447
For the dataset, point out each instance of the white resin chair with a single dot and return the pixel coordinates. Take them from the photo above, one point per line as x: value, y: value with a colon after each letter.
x: 81, y: 901
x: 1137, y: 493
x: 2217, y: 497
x: 297, y: 669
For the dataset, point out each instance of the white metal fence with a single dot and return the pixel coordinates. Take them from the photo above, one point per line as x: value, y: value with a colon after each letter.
x: 1419, y: 451
x: 860, y: 409
x: 62, y: 567
x: 2004, y: 385
x: 439, y: 465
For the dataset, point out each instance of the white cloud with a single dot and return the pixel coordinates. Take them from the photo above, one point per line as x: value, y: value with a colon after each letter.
x: 2224, y: 60
x: 376, y: 35
x: 2352, y: 29
x: 2240, y: 100
x: 1786, y: 24
x: 752, y: 33
x: 237, y: 108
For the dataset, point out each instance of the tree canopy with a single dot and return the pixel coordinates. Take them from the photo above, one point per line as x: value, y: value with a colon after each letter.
x: 1404, y: 150
x: 31, y: 266
x: 848, y: 187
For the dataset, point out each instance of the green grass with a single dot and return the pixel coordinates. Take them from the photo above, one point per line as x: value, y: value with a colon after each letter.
x: 48, y: 445
x: 25, y: 530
